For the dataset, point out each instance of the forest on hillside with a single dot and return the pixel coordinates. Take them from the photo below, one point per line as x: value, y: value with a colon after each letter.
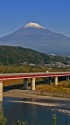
x: 19, y: 55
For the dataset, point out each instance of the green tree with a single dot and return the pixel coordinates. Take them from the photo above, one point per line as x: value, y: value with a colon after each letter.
x: 24, y: 123
x: 19, y: 123
x: 3, y: 120
x: 54, y: 119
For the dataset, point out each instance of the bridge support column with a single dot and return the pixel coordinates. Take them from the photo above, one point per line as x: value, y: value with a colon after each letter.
x: 1, y: 91
x: 56, y: 80
x: 25, y: 85
x: 49, y: 80
x: 33, y: 84
x: 67, y: 78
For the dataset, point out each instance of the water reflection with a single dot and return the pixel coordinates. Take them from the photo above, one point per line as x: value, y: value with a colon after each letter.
x: 37, y: 115
x: 58, y: 105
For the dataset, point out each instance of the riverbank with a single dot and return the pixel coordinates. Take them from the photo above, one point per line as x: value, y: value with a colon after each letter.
x: 35, y: 94
x: 61, y: 104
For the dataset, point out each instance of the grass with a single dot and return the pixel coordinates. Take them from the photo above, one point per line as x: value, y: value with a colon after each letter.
x: 12, y: 82
x: 62, y: 88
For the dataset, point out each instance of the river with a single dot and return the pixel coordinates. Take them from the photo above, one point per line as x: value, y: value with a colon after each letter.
x: 19, y: 109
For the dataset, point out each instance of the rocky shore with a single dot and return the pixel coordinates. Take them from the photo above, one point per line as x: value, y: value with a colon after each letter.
x: 60, y: 104
x: 35, y: 94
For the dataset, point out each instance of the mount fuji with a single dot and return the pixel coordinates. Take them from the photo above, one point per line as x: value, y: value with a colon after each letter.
x: 39, y: 38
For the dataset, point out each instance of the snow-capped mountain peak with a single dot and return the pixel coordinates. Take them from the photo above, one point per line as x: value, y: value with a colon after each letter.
x: 33, y: 25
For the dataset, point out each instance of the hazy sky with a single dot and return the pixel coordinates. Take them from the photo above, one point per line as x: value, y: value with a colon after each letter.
x: 52, y: 14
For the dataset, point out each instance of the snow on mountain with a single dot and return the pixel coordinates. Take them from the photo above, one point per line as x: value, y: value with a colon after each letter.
x: 33, y: 25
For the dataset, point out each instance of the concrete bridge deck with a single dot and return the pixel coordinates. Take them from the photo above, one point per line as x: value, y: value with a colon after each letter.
x: 7, y: 76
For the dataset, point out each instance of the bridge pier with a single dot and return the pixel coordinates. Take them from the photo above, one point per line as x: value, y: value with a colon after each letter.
x: 49, y: 80
x: 1, y: 91
x: 67, y: 78
x: 25, y: 84
x: 33, y: 84
x: 56, y: 80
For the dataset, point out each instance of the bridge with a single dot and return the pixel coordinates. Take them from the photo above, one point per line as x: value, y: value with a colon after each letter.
x: 31, y: 76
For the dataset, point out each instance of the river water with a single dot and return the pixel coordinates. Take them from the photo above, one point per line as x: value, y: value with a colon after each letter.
x: 17, y: 109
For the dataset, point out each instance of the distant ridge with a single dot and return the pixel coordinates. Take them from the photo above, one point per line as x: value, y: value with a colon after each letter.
x: 39, y: 38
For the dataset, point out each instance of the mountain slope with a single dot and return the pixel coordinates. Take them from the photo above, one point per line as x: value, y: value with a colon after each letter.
x: 19, y: 55
x: 38, y: 38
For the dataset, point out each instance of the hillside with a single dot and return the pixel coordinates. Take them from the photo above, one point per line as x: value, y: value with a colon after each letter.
x: 19, y: 55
